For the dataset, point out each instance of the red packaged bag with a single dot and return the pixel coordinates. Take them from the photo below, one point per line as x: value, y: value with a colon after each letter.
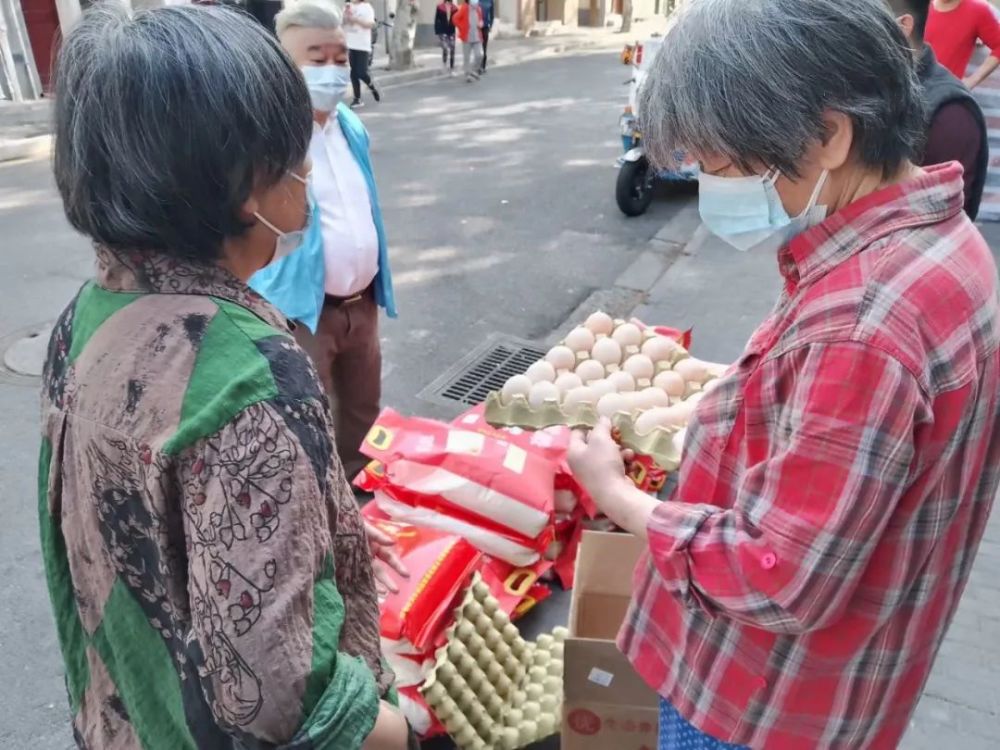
x: 516, y: 589
x: 440, y: 565
x: 485, y: 479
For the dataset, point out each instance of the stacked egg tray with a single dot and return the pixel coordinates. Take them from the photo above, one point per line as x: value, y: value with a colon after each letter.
x: 646, y: 384
x: 490, y: 688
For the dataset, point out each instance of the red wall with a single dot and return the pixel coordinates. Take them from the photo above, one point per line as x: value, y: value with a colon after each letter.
x: 42, y: 20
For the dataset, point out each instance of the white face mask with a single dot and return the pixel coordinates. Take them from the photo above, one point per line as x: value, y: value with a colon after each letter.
x: 287, y: 242
x: 326, y: 84
x: 747, y: 213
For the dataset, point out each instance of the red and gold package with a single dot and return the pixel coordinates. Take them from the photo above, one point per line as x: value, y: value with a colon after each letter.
x: 516, y: 589
x: 440, y: 565
x: 484, y: 479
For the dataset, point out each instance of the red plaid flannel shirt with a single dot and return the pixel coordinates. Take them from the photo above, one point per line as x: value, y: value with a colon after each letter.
x: 835, y: 486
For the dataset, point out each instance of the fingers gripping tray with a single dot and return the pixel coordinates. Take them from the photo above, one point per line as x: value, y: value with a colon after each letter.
x: 490, y: 688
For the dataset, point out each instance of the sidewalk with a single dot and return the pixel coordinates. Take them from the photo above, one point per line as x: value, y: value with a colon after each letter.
x: 25, y: 128
x: 723, y: 294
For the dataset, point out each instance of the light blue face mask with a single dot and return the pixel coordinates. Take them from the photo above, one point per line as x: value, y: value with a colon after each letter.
x: 326, y: 84
x: 747, y: 213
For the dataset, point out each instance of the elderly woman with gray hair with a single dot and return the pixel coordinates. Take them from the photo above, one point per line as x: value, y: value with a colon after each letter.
x: 837, y: 481
x: 209, y: 571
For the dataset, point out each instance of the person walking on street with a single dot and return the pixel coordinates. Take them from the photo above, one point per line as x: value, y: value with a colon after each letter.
x: 359, y: 20
x: 956, y: 127
x: 444, y: 27
x: 488, y: 17
x: 338, y: 302
x: 954, y: 27
x: 469, y: 27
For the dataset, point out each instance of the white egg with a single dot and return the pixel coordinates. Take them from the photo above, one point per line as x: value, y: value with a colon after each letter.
x: 692, y: 370
x: 639, y: 366
x: 568, y: 381
x: 519, y: 385
x: 686, y: 408
x: 541, y: 371
x: 610, y: 404
x: 601, y: 388
x: 627, y: 334
x: 607, y: 351
x: 661, y: 417
x: 541, y: 392
x: 561, y: 358
x: 672, y: 383
x: 659, y: 348
x: 711, y: 385
x: 580, y: 396
x: 622, y: 381
x: 581, y: 339
x: 651, y: 398
x: 589, y: 370
x: 600, y: 322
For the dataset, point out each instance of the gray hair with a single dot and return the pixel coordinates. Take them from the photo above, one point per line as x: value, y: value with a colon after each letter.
x: 307, y: 14
x: 750, y: 81
x: 167, y: 120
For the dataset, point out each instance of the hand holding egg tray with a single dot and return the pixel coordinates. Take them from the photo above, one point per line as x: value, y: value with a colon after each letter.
x: 647, y: 384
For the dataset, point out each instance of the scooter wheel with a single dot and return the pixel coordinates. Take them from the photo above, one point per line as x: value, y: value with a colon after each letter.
x: 634, y: 188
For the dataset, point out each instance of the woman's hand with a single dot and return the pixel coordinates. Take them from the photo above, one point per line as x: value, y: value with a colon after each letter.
x: 384, y: 555
x: 598, y: 463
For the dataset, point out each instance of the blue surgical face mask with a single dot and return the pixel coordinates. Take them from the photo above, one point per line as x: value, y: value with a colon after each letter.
x: 286, y: 243
x: 326, y: 84
x: 747, y: 213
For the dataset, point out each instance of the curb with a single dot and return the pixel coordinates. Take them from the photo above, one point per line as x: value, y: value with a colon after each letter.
x: 36, y: 147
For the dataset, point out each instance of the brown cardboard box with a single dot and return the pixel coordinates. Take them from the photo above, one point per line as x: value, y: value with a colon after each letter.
x: 606, y: 704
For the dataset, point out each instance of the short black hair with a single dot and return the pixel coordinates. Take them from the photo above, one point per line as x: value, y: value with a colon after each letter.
x: 165, y: 121
x: 919, y: 9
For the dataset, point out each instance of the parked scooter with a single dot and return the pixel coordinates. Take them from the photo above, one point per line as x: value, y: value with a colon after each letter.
x: 636, y: 183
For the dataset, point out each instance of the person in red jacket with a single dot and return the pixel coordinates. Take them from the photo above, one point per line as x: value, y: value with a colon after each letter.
x: 954, y: 27
x: 468, y: 22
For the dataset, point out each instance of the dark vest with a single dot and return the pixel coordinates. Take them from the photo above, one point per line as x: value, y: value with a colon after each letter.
x: 940, y: 88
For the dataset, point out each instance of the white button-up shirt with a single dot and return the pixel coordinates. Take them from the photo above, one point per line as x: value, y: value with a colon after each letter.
x: 350, y: 240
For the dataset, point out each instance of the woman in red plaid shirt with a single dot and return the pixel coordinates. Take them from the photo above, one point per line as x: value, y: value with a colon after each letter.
x: 836, y: 483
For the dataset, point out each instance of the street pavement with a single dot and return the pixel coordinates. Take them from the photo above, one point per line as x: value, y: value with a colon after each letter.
x: 499, y: 203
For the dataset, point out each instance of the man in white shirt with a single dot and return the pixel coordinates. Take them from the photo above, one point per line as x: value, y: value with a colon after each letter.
x: 359, y: 20
x: 356, y: 278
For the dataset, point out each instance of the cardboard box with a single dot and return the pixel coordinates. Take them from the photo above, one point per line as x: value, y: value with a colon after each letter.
x: 606, y: 704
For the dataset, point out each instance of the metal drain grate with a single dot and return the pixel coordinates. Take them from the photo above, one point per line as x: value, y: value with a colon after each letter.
x: 484, y: 369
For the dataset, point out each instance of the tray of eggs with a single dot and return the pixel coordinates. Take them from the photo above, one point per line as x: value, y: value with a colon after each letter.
x: 491, y: 689
x: 646, y: 384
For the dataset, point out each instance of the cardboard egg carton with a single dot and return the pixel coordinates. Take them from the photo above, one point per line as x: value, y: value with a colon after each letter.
x: 660, y: 444
x: 490, y: 688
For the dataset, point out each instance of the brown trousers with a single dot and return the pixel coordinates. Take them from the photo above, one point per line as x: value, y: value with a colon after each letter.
x: 348, y: 357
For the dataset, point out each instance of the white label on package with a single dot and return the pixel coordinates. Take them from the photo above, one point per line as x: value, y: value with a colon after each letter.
x: 515, y: 459
x: 600, y: 677
x: 469, y: 443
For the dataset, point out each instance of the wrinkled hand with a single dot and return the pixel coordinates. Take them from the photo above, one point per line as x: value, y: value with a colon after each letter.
x: 598, y: 463
x: 384, y: 556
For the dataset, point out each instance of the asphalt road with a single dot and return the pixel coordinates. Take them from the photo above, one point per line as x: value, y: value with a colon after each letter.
x: 500, y: 207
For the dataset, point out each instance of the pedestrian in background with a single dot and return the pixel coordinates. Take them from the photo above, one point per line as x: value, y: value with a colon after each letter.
x: 469, y: 27
x: 837, y: 481
x: 208, y: 567
x: 444, y: 27
x: 956, y: 127
x: 953, y: 29
x: 488, y: 17
x: 359, y: 20
x: 339, y: 303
